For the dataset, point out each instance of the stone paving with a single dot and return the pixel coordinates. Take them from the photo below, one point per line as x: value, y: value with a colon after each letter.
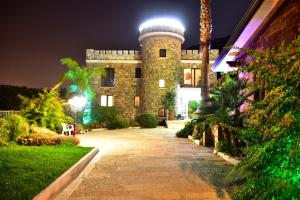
x: 151, y: 164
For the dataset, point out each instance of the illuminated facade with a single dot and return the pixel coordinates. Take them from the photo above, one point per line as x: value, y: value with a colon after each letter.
x: 136, y: 81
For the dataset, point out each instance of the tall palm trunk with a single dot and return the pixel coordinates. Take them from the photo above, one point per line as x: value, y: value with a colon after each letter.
x: 205, y: 37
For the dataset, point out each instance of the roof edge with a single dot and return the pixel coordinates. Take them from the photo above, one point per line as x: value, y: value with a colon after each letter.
x: 239, y: 29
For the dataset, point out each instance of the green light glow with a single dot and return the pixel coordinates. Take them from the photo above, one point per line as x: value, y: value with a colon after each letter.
x: 73, y: 88
x: 87, y: 113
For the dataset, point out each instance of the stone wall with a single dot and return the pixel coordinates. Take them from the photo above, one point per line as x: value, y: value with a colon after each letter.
x: 125, y: 88
x: 285, y: 26
x: 156, y: 68
x: 153, y: 68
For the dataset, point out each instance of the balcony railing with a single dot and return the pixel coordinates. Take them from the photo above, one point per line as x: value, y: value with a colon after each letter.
x: 4, y: 113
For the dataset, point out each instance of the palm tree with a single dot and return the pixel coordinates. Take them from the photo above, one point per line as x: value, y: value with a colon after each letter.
x: 205, y: 37
x: 80, y: 78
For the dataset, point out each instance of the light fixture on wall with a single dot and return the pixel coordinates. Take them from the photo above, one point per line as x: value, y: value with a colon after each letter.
x: 161, y: 83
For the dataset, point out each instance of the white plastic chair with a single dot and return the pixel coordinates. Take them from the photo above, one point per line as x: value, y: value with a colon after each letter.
x: 67, y: 128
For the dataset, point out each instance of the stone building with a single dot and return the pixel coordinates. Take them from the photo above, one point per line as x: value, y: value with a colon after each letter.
x: 137, y: 81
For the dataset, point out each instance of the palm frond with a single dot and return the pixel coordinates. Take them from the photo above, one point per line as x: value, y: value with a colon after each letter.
x: 69, y: 62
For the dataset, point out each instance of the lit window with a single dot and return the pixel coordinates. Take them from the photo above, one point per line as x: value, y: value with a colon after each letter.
x: 109, y: 101
x: 161, y: 83
x: 106, y: 101
x: 103, y: 100
x: 161, y: 112
x: 137, y: 101
x: 162, y: 53
x: 109, y: 79
x: 192, y: 77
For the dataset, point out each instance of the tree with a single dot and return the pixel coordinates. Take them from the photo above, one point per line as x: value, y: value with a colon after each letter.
x: 46, y: 110
x: 222, y: 109
x: 205, y: 37
x: 80, y: 78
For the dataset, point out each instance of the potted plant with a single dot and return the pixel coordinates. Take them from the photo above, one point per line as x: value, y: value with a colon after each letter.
x: 169, y: 103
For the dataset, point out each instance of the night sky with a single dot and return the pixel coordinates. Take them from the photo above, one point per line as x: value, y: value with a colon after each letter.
x: 36, y: 34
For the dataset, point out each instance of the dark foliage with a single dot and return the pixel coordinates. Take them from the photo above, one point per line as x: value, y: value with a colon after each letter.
x: 118, y: 122
x: 9, y: 96
x: 186, y: 131
x: 147, y: 121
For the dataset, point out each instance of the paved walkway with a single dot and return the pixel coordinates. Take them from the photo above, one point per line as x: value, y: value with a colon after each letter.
x: 150, y: 164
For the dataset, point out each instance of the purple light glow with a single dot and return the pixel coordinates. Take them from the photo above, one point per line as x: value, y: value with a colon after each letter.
x: 254, y: 25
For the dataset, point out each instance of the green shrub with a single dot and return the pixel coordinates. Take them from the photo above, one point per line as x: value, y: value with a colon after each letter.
x: 14, y: 126
x: 198, y: 137
x: 225, y: 146
x: 186, y: 131
x: 147, y: 121
x: 107, y: 117
x: 106, y: 114
x: 89, y: 126
x: 3, y: 142
x: 41, y: 130
x: 3, y: 131
x: 270, y: 168
x: 46, y: 110
x: 118, y: 122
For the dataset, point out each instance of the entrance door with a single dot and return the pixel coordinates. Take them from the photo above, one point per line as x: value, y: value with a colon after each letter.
x: 187, y: 101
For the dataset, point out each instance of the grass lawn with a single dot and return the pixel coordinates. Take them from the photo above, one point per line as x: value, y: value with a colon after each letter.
x: 25, y: 171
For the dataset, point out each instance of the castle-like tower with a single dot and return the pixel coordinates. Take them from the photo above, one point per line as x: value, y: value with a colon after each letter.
x: 160, y: 41
x: 137, y: 81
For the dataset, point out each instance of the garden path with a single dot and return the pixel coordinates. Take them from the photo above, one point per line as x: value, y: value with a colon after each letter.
x: 150, y: 164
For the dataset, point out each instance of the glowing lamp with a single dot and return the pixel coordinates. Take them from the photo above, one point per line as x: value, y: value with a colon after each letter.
x: 77, y: 102
x: 171, y: 22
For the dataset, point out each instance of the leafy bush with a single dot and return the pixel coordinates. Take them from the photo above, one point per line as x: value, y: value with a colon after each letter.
x: 38, y: 139
x: 198, y: 131
x: 46, y: 110
x: 118, y: 122
x: 3, y: 142
x: 107, y: 117
x: 3, y: 132
x: 35, y: 139
x: 13, y: 126
x: 147, y: 121
x: 270, y: 167
x: 89, y: 126
x: 186, y: 131
x: 41, y: 130
x: 107, y: 114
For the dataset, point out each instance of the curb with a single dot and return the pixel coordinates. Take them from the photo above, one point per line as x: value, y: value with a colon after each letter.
x: 66, y: 178
x: 197, y: 142
x: 227, y: 157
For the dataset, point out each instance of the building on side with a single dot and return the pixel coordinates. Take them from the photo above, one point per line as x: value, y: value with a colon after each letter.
x: 137, y: 81
x: 266, y: 24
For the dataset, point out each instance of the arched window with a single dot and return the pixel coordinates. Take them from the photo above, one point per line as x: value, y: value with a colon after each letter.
x: 138, y: 72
